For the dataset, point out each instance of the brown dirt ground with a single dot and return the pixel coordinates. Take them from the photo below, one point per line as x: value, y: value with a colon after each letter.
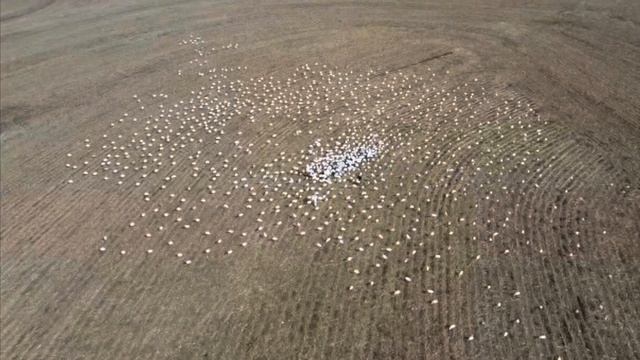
x: 69, y: 68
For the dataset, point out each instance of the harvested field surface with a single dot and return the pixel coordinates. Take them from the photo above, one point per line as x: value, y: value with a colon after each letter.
x: 320, y: 180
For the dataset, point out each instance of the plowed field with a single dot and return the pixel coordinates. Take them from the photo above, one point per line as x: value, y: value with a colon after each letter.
x: 320, y: 180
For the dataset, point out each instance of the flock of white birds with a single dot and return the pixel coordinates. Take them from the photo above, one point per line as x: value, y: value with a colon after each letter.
x: 375, y: 165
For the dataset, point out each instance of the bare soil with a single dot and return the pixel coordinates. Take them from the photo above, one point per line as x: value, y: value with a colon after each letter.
x: 510, y: 225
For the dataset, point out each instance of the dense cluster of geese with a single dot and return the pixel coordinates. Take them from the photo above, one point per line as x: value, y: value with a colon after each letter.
x: 340, y: 162
x: 376, y: 167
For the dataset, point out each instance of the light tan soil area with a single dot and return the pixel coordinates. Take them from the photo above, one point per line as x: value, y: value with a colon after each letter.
x: 155, y: 202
